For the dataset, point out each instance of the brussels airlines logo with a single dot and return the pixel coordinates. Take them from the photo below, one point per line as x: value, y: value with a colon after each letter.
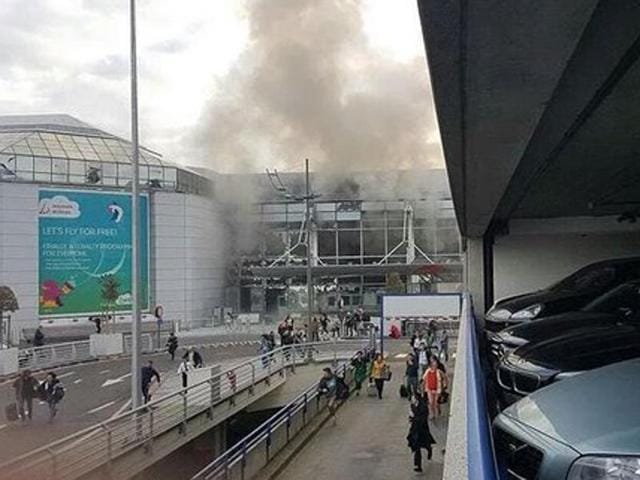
x: 58, y: 206
x: 116, y: 212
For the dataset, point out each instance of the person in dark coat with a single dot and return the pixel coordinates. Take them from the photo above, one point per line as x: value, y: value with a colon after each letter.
x: 172, y: 345
x: 194, y: 358
x: 52, y: 392
x: 38, y: 337
x: 419, y: 436
x: 26, y: 387
x: 148, y: 373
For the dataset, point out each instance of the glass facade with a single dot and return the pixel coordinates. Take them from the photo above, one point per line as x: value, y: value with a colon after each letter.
x: 87, y: 159
x: 349, y: 233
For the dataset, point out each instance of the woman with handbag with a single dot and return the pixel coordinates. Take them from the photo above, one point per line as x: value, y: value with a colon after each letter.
x: 380, y: 373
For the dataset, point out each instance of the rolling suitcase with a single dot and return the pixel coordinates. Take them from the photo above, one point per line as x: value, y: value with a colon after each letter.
x: 11, y: 412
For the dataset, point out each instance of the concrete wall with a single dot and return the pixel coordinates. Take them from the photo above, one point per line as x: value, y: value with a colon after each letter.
x: 538, y: 253
x: 19, y: 250
x: 188, y: 257
x: 187, y: 251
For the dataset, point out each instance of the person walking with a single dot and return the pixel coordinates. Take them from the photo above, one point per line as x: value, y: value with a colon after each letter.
x: 194, y: 358
x: 26, y: 387
x: 379, y: 373
x: 423, y: 359
x: 52, y: 392
x: 434, y: 382
x: 359, y: 364
x: 328, y: 387
x: 411, y: 374
x: 419, y: 436
x: 172, y: 345
x: 444, y: 345
x: 183, y: 370
x: 148, y: 374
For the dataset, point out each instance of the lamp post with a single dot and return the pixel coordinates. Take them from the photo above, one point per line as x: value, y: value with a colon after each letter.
x: 136, y: 392
x: 307, y: 199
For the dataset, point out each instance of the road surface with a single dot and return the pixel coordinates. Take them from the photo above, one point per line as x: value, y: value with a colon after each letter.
x: 96, y: 391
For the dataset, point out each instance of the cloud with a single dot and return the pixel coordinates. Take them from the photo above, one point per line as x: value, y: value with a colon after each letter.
x: 234, y: 85
x: 58, y: 206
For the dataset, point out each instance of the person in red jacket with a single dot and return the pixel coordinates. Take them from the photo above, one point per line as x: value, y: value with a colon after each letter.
x: 434, y: 382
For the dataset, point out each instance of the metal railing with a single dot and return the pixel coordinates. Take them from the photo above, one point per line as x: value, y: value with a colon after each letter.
x: 84, y: 451
x: 58, y: 354
x: 54, y: 355
x: 258, y: 448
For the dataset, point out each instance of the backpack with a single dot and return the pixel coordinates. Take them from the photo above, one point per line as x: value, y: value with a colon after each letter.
x: 342, y: 389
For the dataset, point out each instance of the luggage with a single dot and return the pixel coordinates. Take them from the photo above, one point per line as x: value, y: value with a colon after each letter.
x: 11, y: 412
x: 404, y: 391
x: 371, y: 390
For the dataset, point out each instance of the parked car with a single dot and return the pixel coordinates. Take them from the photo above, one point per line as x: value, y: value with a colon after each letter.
x: 584, y: 428
x: 569, y: 294
x: 616, y: 307
x: 536, y: 365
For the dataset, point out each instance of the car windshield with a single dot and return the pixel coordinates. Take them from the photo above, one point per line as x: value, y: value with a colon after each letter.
x: 625, y: 299
x: 587, y: 279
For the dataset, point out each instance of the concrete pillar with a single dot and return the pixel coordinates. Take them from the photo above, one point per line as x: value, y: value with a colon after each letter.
x: 474, y: 273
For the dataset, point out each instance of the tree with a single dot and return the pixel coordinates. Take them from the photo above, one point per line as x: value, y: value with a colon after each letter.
x: 8, y: 303
x: 395, y: 284
x: 109, y: 290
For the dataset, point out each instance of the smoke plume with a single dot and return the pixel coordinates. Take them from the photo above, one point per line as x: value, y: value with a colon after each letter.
x: 309, y: 85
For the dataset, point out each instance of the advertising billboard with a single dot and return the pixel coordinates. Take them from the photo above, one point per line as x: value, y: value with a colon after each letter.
x: 84, y: 250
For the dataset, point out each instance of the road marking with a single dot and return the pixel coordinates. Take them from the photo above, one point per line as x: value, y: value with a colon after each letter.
x: 401, y: 355
x: 102, y: 372
x: 113, y: 381
x: 75, y: 382
x: 4, y: 425
x: 101, y: 407
x: 124, y: 407
x: 68, y: 374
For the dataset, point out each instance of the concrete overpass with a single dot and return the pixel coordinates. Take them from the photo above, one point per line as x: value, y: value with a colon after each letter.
x: 539, y: 111
x: 128, y: 443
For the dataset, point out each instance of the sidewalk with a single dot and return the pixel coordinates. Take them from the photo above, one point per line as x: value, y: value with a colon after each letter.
x: 368, y: 442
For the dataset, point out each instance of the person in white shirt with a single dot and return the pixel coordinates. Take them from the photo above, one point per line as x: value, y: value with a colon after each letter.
x: 183, y: 370
x: 423, y: 359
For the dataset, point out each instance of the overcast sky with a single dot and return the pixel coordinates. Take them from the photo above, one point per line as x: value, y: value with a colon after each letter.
x: 71, y: 56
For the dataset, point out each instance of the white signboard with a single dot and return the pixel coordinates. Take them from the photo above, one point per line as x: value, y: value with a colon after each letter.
x: 396, y: 308
x: 421, y: 306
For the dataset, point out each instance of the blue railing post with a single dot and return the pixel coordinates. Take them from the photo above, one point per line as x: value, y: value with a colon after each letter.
x: 480, y: 454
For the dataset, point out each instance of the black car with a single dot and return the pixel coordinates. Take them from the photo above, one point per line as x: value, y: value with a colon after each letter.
x: 537, y: 365
x: 569, y: 294
x: 616, y: 307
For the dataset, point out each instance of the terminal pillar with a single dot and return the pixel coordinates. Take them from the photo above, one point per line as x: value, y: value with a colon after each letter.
x: 476, y: 273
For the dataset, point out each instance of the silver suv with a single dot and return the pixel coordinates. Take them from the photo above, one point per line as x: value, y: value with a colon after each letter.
x: 583, y: 428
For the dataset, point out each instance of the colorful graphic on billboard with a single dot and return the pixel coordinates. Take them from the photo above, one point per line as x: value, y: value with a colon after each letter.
x: 85, y: 252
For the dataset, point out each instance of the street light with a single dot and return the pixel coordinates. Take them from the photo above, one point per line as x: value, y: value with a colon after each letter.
x: 136, y: 389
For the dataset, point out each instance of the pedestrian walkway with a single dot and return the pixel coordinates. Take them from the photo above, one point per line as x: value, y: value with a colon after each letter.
x: 368, y: 442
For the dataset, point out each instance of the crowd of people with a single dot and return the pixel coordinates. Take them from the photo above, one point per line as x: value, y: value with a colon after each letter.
x: 425, y: 384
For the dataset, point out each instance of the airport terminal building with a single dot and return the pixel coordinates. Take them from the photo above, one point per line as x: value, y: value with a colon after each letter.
x: 65, y: 231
